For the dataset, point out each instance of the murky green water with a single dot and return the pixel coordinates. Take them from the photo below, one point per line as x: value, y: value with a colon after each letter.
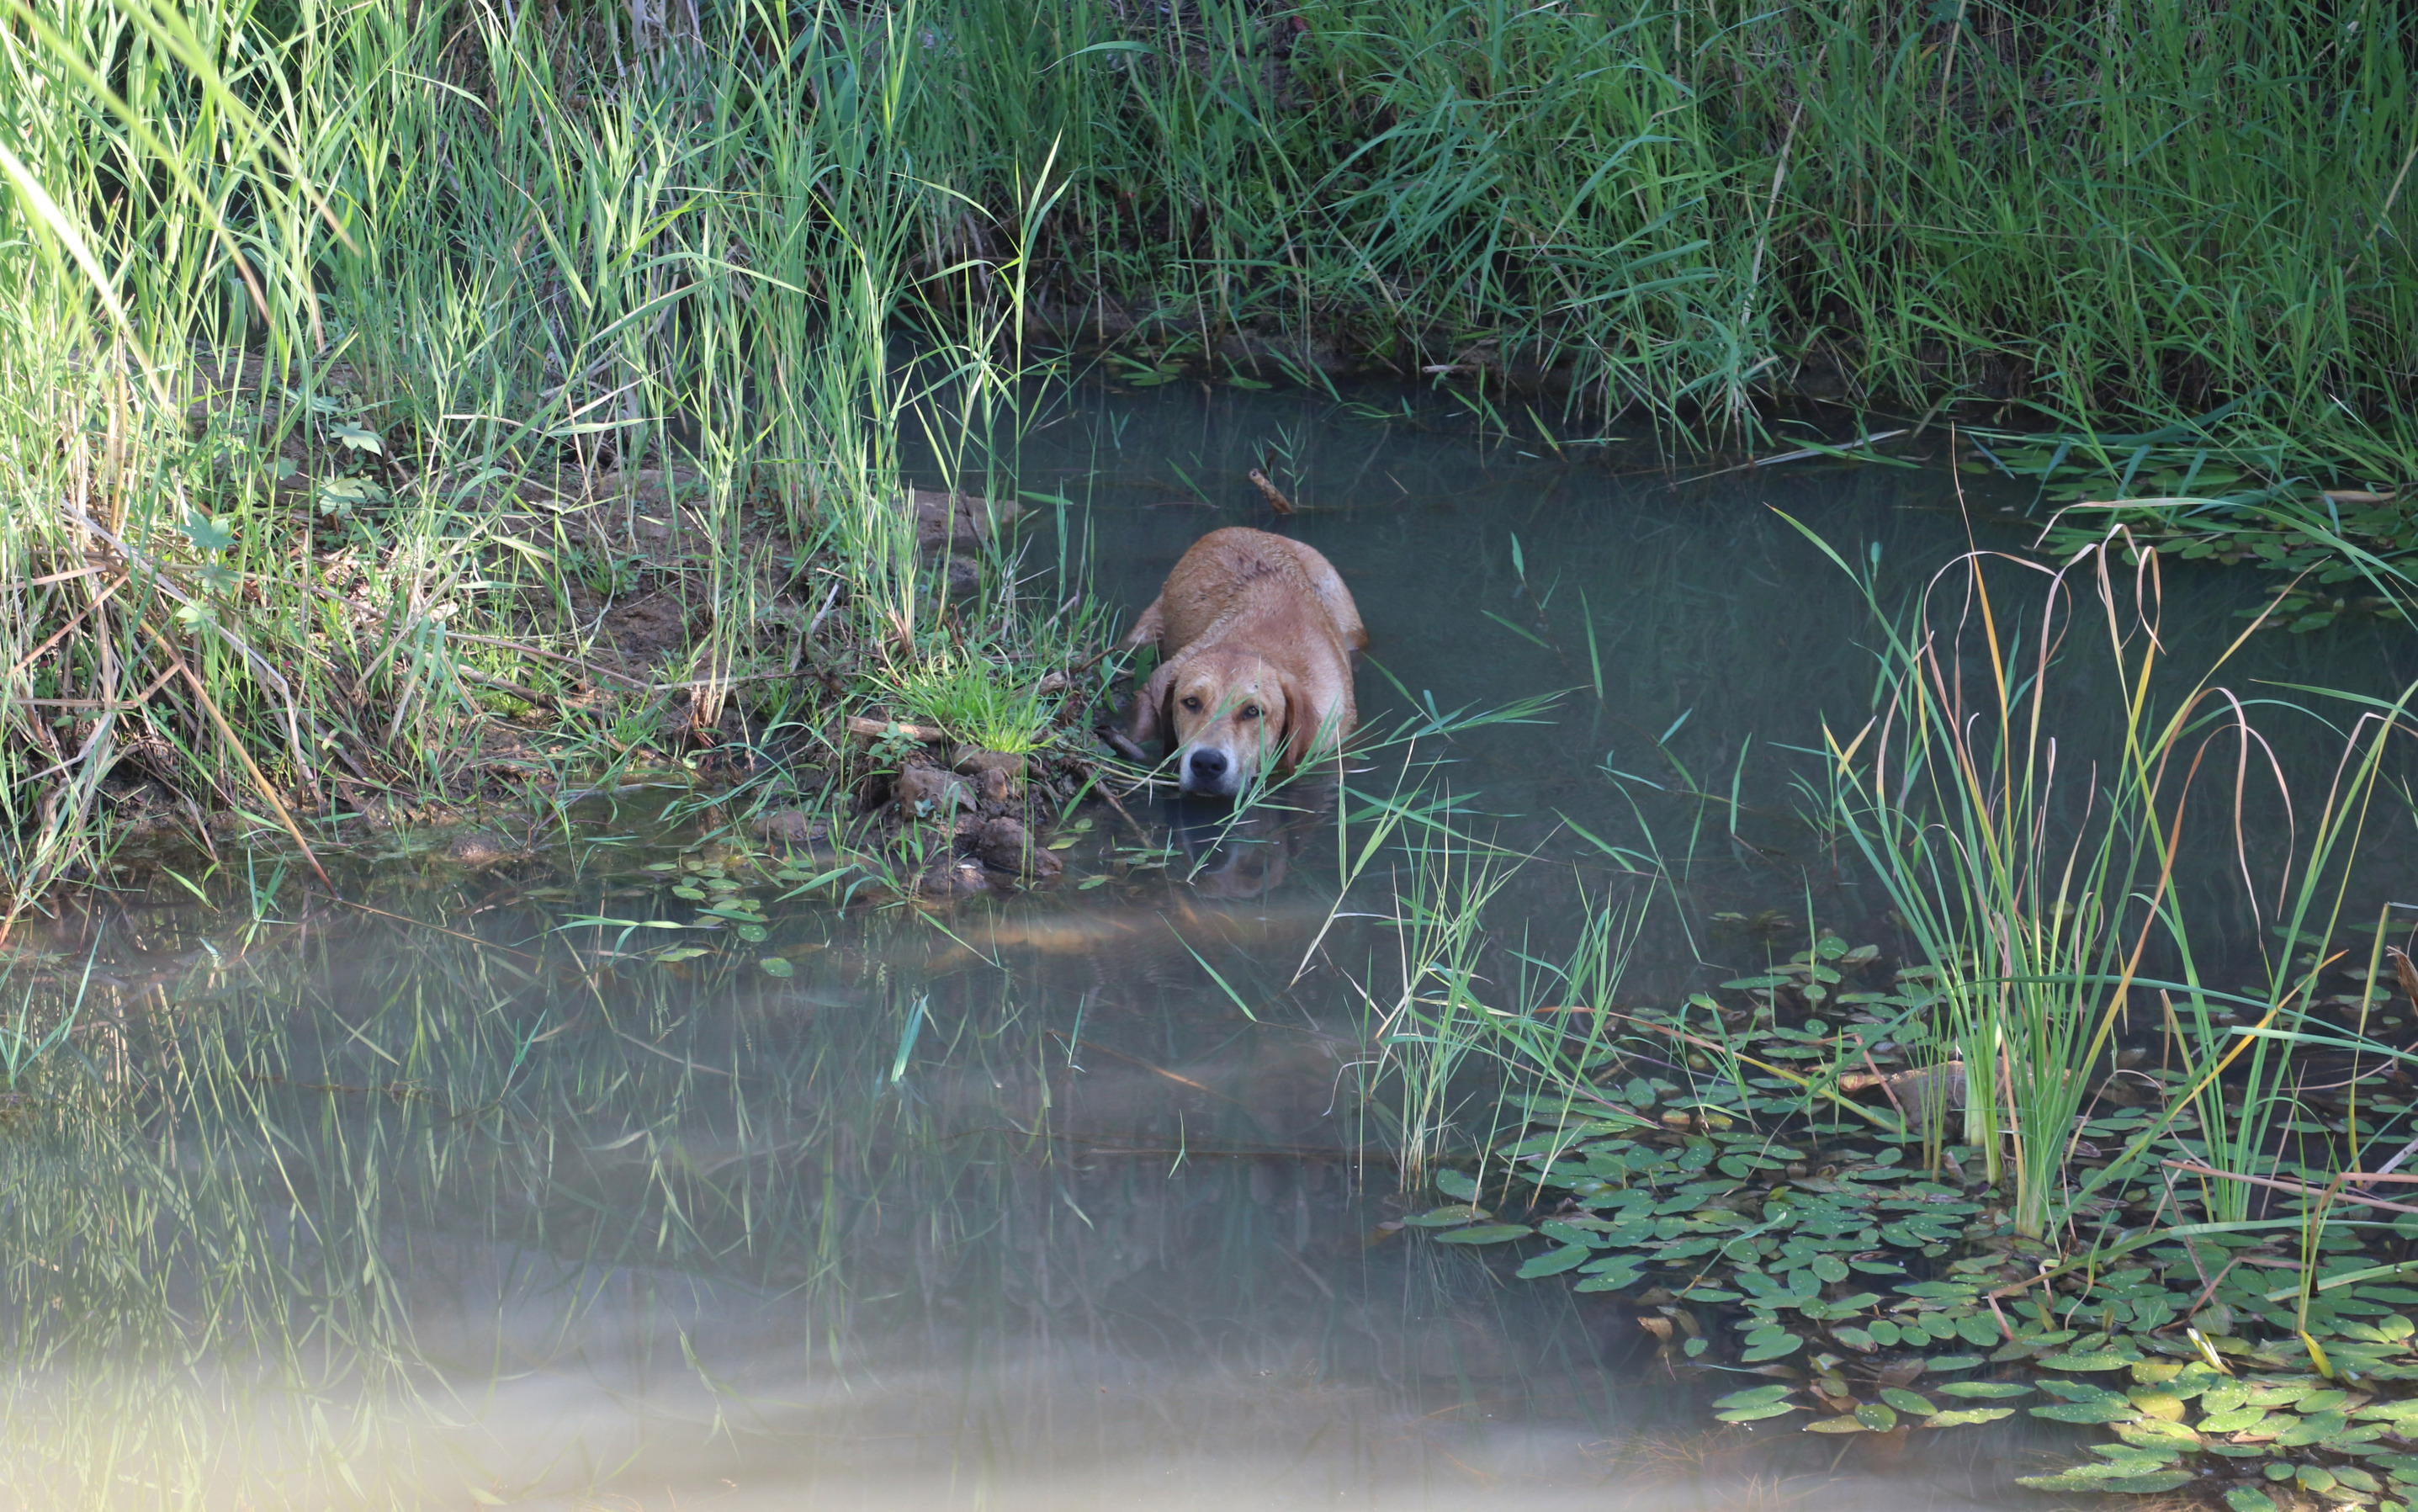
x: 442, y: 1198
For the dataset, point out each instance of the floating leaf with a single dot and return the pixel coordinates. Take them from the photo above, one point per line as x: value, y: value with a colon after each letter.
x: 1771, y: 1344
x: 1754, y: 1396
x: 2158, y: 1403
x: 2107, y: 1479
x: 1486, y: 1233
x: 752, y: 933
x: 1615, y: 1278
x: 1983, y: 1388
x: 2095, y: 1360
x: 1962, y: 1416
x: 1907, y: 1401
x: 774, y: 965
x: 1836, y: 1425
x: 2249, y: 1499
x: 1446, y: 1217
x: 682, y: 953
x: 2156, y: 1433
x: 1750, y: 1415
x: 2112, y: 1409
x: 1876, y: 1416
x: 1555, y: 1261
x: 1457, y: 1184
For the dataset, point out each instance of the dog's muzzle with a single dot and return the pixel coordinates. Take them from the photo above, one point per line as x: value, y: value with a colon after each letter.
x: 1209, y: 771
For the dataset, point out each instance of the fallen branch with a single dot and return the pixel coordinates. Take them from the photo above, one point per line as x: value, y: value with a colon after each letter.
x: 875, y: 729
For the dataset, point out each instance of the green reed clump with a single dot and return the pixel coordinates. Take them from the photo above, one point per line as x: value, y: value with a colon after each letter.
x: 366, y: 371
x: 2036, y: 869
x: 2080, y: 211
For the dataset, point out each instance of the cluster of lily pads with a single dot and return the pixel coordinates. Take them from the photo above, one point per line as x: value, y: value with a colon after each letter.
x: 1881, y: 1284
x: 2182, y: 501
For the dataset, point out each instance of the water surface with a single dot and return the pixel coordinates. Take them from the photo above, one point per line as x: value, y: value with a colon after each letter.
x: 435, y: 1198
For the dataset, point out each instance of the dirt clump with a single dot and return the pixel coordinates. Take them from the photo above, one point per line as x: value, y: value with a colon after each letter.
x: 1005, y: 844
x: 792, y: 825
x: 482, y: 848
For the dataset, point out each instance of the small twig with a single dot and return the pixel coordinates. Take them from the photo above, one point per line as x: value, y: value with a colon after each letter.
x: 1275, y: 496
x: 2305, y: 1189
x: 874, y: 728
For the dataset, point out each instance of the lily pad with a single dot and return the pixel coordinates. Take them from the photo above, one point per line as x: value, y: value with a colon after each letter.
x: 1962, y: 1417
x: 1555, y: 1261
x: 1983, y: 1388
x: 1485, y: 1233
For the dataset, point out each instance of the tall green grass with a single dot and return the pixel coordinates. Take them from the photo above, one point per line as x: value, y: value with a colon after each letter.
x: 2075, y: 211
x: 2035, y: 866
x: 304, y: 305
x: 323, y: 324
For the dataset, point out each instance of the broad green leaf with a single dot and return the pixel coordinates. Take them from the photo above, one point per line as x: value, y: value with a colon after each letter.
x: 1754, y: 1396
x: 1555, y: 1261
x: 2095, y: 1360
x: 1485, y: 1233
x: 208, y: 532
x: 1752, y: 1414
x: 1964, y: 1416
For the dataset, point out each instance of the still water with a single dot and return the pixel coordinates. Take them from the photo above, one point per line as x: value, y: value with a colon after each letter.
x: 442, y: 1198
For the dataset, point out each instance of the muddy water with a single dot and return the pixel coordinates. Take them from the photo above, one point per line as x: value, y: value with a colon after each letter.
x: 466, y: 1193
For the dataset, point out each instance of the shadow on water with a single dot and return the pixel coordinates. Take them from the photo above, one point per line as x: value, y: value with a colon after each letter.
x: 514, y: 1187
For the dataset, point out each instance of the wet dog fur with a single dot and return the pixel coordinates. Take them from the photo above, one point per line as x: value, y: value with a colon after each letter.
x: 1255, y: 636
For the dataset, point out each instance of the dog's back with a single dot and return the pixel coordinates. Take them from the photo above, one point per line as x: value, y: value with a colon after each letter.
x: 1244, y: 584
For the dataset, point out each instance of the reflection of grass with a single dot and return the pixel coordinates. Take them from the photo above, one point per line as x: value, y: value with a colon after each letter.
x: 973, y: 701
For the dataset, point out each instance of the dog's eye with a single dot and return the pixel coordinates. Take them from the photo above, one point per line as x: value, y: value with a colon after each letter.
x: 1192, y: 704
x: 1250, y: 711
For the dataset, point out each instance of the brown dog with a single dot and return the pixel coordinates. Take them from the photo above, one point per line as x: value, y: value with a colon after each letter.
x: 1255, y: 638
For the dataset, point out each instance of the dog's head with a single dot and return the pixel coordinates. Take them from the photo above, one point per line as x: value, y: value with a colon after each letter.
x: 1229, y: 715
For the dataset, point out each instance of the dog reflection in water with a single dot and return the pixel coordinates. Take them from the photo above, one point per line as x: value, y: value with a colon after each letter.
x: 1222, y: 854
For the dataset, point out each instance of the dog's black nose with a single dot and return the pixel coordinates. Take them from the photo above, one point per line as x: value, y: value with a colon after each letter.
x: 1207, y: 765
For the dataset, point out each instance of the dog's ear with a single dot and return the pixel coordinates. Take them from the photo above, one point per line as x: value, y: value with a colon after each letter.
x: 1152, y: 721
x: 1301, y: 721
